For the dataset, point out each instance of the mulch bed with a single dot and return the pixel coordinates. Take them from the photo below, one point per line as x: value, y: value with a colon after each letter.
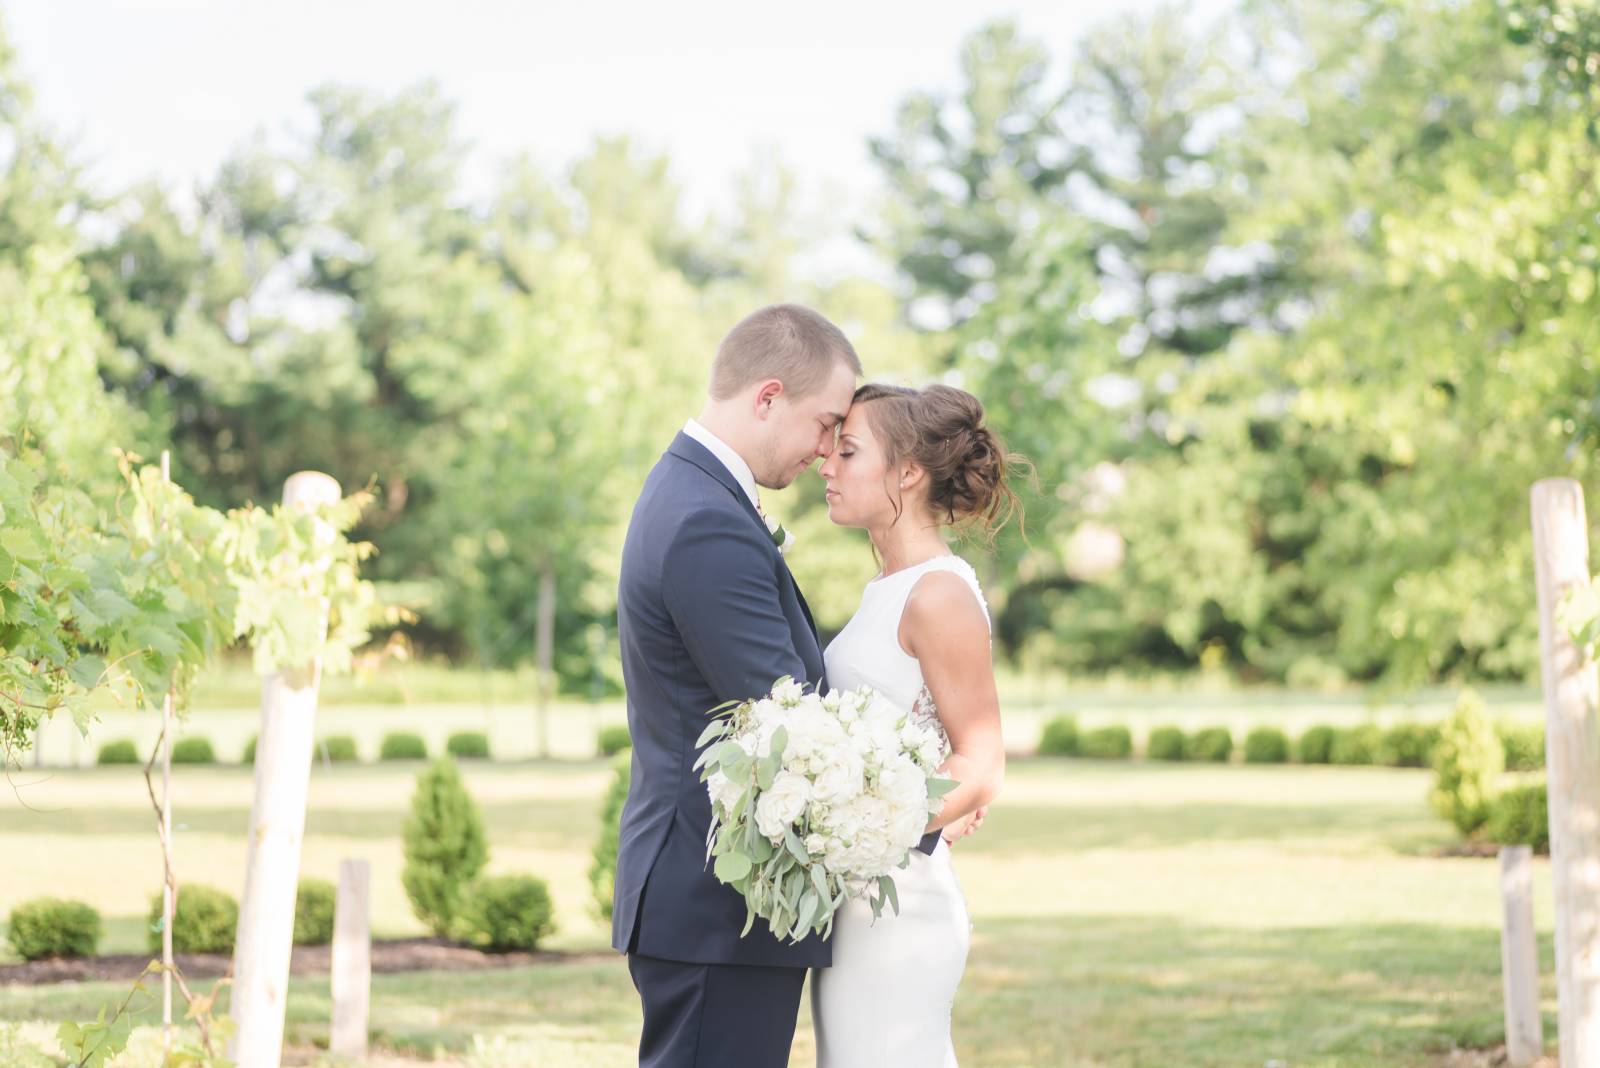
x: 1490, y: 1058
x: 399, y: 955
x: 1479, y: 849
x: 1469, y: 849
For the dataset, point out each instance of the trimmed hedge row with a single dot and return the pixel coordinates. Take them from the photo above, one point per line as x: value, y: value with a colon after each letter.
x: 1106, y: 743
x: 403, y: 745
x: 468, y: 745
x: 1404, y: 745
x: 1266, y: 745
x: 341, y: 748
x: 120, y: 751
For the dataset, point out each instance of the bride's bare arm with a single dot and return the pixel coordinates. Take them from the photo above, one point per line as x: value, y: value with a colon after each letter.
x: 943, y: 626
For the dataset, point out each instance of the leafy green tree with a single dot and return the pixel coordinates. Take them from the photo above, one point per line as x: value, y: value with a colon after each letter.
x: 969, y: 172
x: 41, y: 194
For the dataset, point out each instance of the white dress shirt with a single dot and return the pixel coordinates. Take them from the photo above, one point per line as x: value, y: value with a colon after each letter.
x: 731, y: 460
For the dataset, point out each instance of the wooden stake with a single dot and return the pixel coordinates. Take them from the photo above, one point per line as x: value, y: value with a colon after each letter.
x: 351, y: 968
x: 1572, y: 744
x: 1519, y: 957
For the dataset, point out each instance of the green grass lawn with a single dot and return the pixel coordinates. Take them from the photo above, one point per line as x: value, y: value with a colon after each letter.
x: 1125, y: 914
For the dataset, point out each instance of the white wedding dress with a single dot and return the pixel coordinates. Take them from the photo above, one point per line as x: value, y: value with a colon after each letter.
x: 885, y: 1002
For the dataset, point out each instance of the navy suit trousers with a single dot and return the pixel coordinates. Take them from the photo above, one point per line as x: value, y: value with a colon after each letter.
x: 715, y: 1015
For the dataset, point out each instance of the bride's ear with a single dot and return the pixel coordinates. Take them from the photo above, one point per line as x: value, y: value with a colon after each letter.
x: 911, y: 475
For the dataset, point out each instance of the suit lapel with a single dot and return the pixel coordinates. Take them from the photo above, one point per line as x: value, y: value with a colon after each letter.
x: 805, y: 609
x: 686, y: 448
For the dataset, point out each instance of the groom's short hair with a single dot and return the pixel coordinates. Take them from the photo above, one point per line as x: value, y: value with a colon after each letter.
x: 789, y: 342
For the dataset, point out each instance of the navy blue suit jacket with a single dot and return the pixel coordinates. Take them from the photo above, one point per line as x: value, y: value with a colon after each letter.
x: 707, y: 612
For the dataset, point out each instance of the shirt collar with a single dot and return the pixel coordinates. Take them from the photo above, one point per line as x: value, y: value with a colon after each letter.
x: 731, y: 460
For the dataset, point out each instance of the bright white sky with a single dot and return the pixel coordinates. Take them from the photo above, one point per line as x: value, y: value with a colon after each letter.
x: 168, y: 87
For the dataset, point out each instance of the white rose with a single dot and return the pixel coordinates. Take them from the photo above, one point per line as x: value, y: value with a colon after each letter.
x: 781, y: 805
x: 761, y: 738
x: 885, y: 742
x: 810, y: 729
x: 723, y: 791
x: 840, y: 778
x: 788, y: 692
x: 816, y: 845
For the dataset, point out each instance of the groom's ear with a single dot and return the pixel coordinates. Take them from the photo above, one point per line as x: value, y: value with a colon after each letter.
x: 767, y: 394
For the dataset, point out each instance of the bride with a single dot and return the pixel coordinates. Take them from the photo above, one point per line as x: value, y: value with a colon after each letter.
x: 908, y: 464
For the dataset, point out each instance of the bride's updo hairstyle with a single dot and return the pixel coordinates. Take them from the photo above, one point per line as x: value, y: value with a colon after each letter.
x: 941, y: 429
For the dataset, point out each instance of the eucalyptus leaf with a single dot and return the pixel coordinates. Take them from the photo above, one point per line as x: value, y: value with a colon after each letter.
x: 731, y: 867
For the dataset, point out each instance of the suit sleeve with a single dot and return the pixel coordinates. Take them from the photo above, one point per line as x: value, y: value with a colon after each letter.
x: 722, y: 593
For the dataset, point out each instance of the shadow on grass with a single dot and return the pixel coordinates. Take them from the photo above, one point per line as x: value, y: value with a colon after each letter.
x: 1142, y: 992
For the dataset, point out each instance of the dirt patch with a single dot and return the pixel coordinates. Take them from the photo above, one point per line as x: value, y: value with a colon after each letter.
x: 398, y: 955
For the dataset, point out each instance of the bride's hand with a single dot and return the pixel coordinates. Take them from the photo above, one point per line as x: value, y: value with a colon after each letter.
x: 964, y: 826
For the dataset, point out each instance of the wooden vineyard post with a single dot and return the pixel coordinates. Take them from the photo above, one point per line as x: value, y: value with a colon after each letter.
x: 1572, y: 747
x: 277, y: 825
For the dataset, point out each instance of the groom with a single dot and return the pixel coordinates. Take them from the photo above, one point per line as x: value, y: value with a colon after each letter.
x: 707, y: 612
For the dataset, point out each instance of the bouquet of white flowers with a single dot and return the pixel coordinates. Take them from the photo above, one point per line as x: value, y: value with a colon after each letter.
x: 816, y: 799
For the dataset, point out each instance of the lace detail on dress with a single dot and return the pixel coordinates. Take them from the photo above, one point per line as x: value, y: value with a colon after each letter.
x: 925, y: 713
